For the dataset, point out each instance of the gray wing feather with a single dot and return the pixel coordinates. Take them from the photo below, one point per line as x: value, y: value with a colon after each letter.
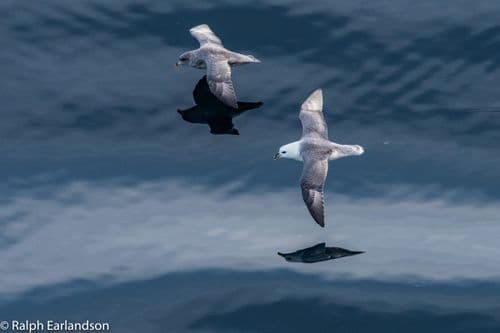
x: 312, y: 183
x: 219, y: 81
x: 311, y: 116
x: 204, y: 35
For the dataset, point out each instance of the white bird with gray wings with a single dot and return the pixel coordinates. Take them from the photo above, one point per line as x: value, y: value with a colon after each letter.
x: 217, y: 60
x: 315, y: 150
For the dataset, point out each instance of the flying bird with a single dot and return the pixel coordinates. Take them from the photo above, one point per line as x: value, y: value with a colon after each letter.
x: 217, y: 60
x: 209, y: 110
x: 315, y: 150
x: 317, y: 253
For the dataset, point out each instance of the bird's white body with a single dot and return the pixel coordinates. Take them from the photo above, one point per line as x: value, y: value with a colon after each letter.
x: 292, y: 150
x: 198, y: 58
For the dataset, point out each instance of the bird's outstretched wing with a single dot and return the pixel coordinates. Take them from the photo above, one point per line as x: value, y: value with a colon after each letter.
x: 204, y: 35
x: 311, y: 116
x: 312, y: 183
x: 219, y: 81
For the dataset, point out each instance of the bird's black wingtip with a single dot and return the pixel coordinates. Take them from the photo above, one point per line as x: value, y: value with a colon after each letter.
x: 320, y: 223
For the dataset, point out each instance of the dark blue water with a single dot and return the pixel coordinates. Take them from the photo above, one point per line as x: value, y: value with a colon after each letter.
x: 113, y: 208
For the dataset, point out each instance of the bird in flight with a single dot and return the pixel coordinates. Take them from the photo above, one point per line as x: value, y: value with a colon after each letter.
x: 217, y: 60
x: 314, y: 149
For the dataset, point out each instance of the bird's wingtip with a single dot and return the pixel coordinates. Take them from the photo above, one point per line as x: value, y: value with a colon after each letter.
x: 321, y: 223
x: 318, y: 93
x: 314, y: 101
x: 199, y: 27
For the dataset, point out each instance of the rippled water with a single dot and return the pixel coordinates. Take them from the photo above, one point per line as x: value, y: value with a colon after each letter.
x: 115, y: 209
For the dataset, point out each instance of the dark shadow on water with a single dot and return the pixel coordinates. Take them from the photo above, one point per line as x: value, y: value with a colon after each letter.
x: 317, y: 253
x: 209, y: 110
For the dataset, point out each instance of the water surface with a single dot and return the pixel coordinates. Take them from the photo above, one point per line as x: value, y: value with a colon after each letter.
x: 113, y: 208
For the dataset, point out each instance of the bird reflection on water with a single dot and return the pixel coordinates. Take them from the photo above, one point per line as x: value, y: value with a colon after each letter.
x: 317, y: 253
x: 210, y: 110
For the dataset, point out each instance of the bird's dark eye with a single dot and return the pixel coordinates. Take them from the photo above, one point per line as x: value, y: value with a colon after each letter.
x: 283, y: 152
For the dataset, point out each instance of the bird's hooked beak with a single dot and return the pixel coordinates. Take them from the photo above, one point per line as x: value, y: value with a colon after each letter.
x: 177, y: 64
x: 277, y: 156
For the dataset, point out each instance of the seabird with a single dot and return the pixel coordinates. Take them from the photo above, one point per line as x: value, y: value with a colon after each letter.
x: 315, y: 150
x: 217, y: 60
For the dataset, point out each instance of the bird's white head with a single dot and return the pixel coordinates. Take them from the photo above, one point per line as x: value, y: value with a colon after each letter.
x: 291, y: 150
x: 184, y: 59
